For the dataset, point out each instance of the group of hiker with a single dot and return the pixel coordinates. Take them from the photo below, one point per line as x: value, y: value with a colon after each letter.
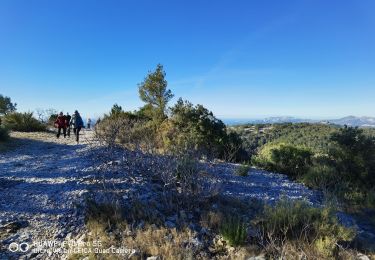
x: 66, y: 122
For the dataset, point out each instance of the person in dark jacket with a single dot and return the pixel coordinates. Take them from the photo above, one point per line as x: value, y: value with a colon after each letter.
x: 77, y: 123
x: 60, y: 123
x: 68, y: 118
x: 88, y: 123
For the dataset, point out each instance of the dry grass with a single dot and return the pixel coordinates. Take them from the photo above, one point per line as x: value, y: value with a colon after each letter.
x: 170, y: 244
x: 134, y: 229
x: 292, y: 228
x: 167, y: 243
x: 147, y: 241
x: 212, y: 220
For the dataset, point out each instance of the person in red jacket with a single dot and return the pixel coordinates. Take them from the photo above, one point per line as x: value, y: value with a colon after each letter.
x: 60, y: 123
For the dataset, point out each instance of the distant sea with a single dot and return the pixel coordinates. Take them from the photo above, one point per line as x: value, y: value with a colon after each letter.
x: 238, y: 121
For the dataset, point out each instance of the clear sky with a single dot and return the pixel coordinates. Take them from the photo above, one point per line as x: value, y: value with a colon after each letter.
x: 241, y: 59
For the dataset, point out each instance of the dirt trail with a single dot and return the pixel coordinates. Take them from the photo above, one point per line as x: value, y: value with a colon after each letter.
x: 40, y: 185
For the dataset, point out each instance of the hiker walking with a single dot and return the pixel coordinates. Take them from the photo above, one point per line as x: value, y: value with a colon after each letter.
x: 68, y: 118
x: 60, y: 123
x: 77, y: 124
x: 88, y: 123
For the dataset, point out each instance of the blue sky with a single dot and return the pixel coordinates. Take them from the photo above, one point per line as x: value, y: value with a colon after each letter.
x: 241, y: 59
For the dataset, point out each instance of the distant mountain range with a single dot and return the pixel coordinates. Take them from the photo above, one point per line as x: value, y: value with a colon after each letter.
x: 363, y: 121
x: 349, y: 120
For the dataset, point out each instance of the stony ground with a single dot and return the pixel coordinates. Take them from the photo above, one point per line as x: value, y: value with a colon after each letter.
x: 44, y: 182
x: 40, y: 183
x: 259, y: 184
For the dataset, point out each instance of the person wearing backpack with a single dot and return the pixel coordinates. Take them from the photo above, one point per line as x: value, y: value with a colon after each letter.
x: 60, y: 123
x: 77, y: 124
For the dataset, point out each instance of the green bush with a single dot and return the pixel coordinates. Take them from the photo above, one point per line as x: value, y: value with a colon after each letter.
x: 128, y: 130
x: 345, y: 170
x: 351, y: 167
x: 23, y: 122
x: 328, y: 179
x: 321, y: 177
x: 291, y: 160
x: 297, y: 221
x: 354, y: 156
x: 196, y: 128
x: 242, y: 170
x: 234, y: 230
x: 187, y: 174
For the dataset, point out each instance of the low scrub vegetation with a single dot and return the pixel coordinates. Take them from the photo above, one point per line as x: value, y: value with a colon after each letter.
x: 287, y: 159
x: 347, y: 169
x: 23, y: 122
x: 234, y: 230
x: 11, y: 120
x: 320, y: 176
x: 142, y: 242
x: 242, y: 170
x: 207, y: 225
x: 196, y: 131
x: 291, y: 227
x: 314, y: 136
x: 176, y: 130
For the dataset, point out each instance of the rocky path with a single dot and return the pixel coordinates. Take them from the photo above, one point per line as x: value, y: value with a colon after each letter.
x: 44, y: 184
x: 40, y: 185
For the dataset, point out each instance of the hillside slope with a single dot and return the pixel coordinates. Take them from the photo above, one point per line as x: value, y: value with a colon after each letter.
x: 45, y: 184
